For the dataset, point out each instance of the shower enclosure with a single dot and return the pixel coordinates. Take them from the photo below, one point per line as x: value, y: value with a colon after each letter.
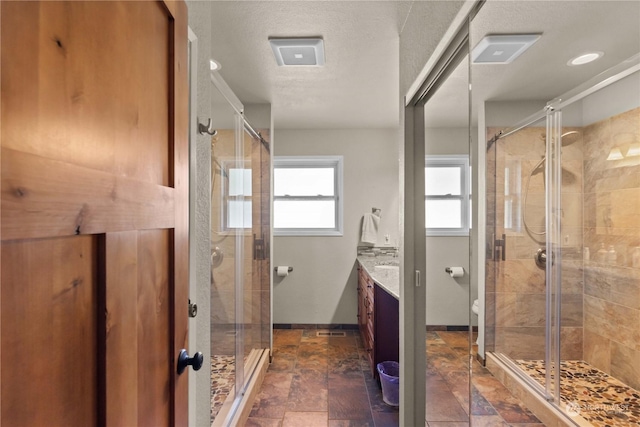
x: 240, y: 305
x: 562, y: 284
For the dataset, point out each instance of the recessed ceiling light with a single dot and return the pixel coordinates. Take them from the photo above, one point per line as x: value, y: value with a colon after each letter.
x: 586, y: 58
x: 309, y: 51
x: 214, y: 65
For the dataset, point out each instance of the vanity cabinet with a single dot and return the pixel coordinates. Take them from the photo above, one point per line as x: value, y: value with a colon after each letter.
x: 378, y: 321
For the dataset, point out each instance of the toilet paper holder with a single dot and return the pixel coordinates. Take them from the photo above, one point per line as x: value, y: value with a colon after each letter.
x: 290, y: 269
x: 455, y: 271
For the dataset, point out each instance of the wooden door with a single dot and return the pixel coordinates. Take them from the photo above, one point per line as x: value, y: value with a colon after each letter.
x: 94, y: 213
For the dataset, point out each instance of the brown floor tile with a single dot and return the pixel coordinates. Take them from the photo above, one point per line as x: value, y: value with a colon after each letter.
x: 285, y: 350
x: 446, y: 424
x: 317, y: 361
x: 263, y: 422
x: 441, y: 404
x: 375, y: 397
x: 306, y: 419
x: 272, y: 398
x: 309, y: 391
x: 446, y: 359
x: 349, y: 367
x: 348, y: 341
x: 283, y: 337
x: 352, y: 423
x: 508, y: 406
x: 386, y: 419
x: 455, y: 339
x: 480, y: 405
x: 488, y: 421
x: 283, y: 363
x: 512, y: 412
x: 348, y: 399
x: 327, y: 381
x: 343, y: 352
x: 458, y: 383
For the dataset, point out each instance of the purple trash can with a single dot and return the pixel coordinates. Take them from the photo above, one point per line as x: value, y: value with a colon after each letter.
x: 390, y: 381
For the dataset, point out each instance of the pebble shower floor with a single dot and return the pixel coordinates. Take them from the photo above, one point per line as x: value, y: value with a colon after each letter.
x: 591, y: 394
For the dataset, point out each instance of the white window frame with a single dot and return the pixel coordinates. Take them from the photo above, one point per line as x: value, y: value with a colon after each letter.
x: 225, y: 165
x: 335, y: 162
x: 460, y: 161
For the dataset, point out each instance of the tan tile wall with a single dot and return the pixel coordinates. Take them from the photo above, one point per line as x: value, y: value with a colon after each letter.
x: 612, y: 218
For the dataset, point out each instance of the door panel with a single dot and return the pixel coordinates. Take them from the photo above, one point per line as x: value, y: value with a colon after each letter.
x: 94, y: 220
x: 49, y: 340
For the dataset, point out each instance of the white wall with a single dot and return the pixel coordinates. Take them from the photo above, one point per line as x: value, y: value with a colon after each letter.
x: 199, y: 382
x: 322, y: 287
x: 448, y: 299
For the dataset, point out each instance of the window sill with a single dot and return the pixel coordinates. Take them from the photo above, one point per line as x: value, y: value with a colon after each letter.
x: 307, y: 233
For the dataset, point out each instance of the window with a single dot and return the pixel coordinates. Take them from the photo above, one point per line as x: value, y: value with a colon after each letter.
x: 236, y: 190
x: 447, y: 198
x: 307, y: 196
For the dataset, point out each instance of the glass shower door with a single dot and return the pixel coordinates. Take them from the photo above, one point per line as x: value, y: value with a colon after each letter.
x: 240, y: 253
x: 522, y: 217
x: 229, y: 218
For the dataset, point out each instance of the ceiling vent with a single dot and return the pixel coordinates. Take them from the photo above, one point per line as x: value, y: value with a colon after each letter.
x: 503, y: 48
x: 298, y: 52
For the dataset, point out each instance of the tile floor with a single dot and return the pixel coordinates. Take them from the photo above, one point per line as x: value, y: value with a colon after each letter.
x: 325, y: 381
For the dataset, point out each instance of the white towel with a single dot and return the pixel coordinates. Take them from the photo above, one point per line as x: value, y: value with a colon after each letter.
x: 370, y: 224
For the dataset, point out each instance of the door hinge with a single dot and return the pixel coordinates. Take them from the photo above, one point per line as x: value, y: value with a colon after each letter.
x: 193, y: 309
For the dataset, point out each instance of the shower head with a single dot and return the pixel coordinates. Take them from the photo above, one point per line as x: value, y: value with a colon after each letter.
x: 567, y: 138
x: 570, y: 137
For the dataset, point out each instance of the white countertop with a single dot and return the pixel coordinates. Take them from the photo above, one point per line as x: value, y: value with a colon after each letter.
x: 381, y: 270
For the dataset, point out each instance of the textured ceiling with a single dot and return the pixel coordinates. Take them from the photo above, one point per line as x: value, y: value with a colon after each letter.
x: 569, y: 28
x: 359, y: 85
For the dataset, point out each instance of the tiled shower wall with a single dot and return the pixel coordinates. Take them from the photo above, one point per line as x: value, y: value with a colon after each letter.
x: 612, y: 218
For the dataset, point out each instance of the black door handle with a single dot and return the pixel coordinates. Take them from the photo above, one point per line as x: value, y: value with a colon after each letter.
x: 184, y: 360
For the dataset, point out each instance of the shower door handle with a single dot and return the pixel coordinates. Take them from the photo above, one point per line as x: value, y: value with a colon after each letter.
x: 501, y: 244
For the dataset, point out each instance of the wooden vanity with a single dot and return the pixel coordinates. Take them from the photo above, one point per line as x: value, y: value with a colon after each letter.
x: 378, y: 316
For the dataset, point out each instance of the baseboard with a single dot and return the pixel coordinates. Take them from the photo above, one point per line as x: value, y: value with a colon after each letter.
x: 345, y: 326
x: 450, y: 328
